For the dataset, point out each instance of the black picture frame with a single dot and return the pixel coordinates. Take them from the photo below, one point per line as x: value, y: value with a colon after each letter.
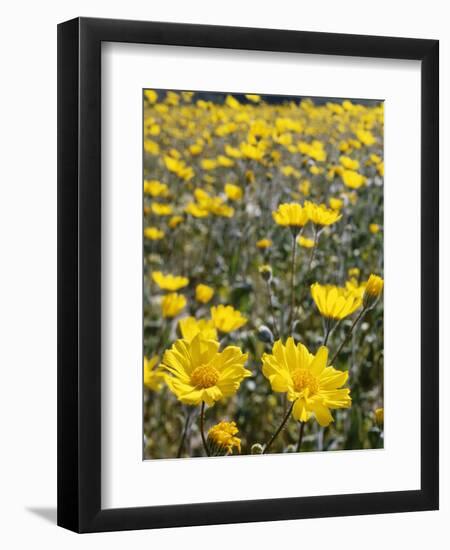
x: 79, y: 274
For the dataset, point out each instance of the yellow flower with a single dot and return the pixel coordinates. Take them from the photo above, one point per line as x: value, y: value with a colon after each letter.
x: 290, y: 214
x: 289, y: 171
x: 319, y: 214
x: 308, y: 382
x: 348, y: 163
x: 153, y: 233
x: 203, y: 293
x: 305, y: 187
x: 264, y: 243
x: 195, y: 149
x: 222, y: 438
x: 334, y: 302
x: 151, y: 96
x: 187, y: 96
x: 374, y: 287
x: 365, y: 137
x: 172, y: 98
x: 352, y: 285
x: 219, y: 209
x: 226, y: 129
x: 250, y: 176
x: 354, y: 272
x: 315, y: 170
x: 375, y: 158
x: 224, y: 161
x: 213, y: 205
x: 314, y: 150
x: 353, y: 179
x: 233, y: 152
x: 199, y: 372
x: 208, y: 164
x: 233, y: 192
x: 169, y: 281
x: 174, y: 221
x: 251, y: 152
x: 156, y: 188
x: 179, y: 168
x: 153, y: 377
x: 379, y: 416
x: 161, y: 209
x: 172, y: 304
x: 161, y: 108
x: 374, y: 228
x: 305, y: 242
x: 195, y: 210
x: 253, y: 98
x: 334, y: 171
x: 336, y: 204
x: 151, y: 147
x: 232, y: 102
x: 226, y: 318
x: 190, y: 327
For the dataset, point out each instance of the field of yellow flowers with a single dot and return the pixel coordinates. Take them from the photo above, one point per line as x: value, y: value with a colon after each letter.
x: 263, y: 274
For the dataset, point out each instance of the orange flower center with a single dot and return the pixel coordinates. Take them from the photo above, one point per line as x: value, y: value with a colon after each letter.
x: 303, y: 379
x: 204, y: 376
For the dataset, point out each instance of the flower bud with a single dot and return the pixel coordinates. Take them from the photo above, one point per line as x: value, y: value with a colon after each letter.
x: 265, y: 334
x: 379, y: 416
x: 373, y: 290
x: 257, y: 449
x: 266, y: 272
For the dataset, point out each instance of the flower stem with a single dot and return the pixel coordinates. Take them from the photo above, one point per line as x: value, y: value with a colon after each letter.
x: 325, y: 338
x: 202, y: 429
x: 292, y: 316
x: 184, y: 433
x: 300, y: 437
x: 274, y: 319
x: 280, y: 427
x: 349, y: 333
x: 327, y: 330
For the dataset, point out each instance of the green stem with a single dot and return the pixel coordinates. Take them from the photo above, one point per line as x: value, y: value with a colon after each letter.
x: 292, y: 316
x: 202, y: 429
x: 184, y: 433
x: 280, y: 427
x: 349, y: 333
x: 300, y: 437
x: 274, y: 319
x: 327, y: 330
x: 308, y: 271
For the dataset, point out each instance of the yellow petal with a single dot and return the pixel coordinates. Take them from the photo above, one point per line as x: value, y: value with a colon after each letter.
x: 319, y: 362
x: 322, y: 414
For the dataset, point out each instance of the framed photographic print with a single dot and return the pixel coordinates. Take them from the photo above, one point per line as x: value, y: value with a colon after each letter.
x: 248, y: 275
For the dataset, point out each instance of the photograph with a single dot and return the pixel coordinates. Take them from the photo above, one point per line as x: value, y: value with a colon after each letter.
x: 262, y: 274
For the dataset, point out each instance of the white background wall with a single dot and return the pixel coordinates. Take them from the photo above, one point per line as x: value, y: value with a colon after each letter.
x: 28, y: 270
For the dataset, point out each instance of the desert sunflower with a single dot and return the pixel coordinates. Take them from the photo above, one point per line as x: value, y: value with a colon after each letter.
x: 203, y: 293
x: 153, y: 376
x: 226, y: 318
x: 320, y: 215
x: 335, y: 302
x: 153, y: 233
x: 190, y: 327
x: 222, y: 438
x: 313, y: 387
x: 198, y: 372
x: 292, y: 215
x: 169, y: 281
x: 172, y: 304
